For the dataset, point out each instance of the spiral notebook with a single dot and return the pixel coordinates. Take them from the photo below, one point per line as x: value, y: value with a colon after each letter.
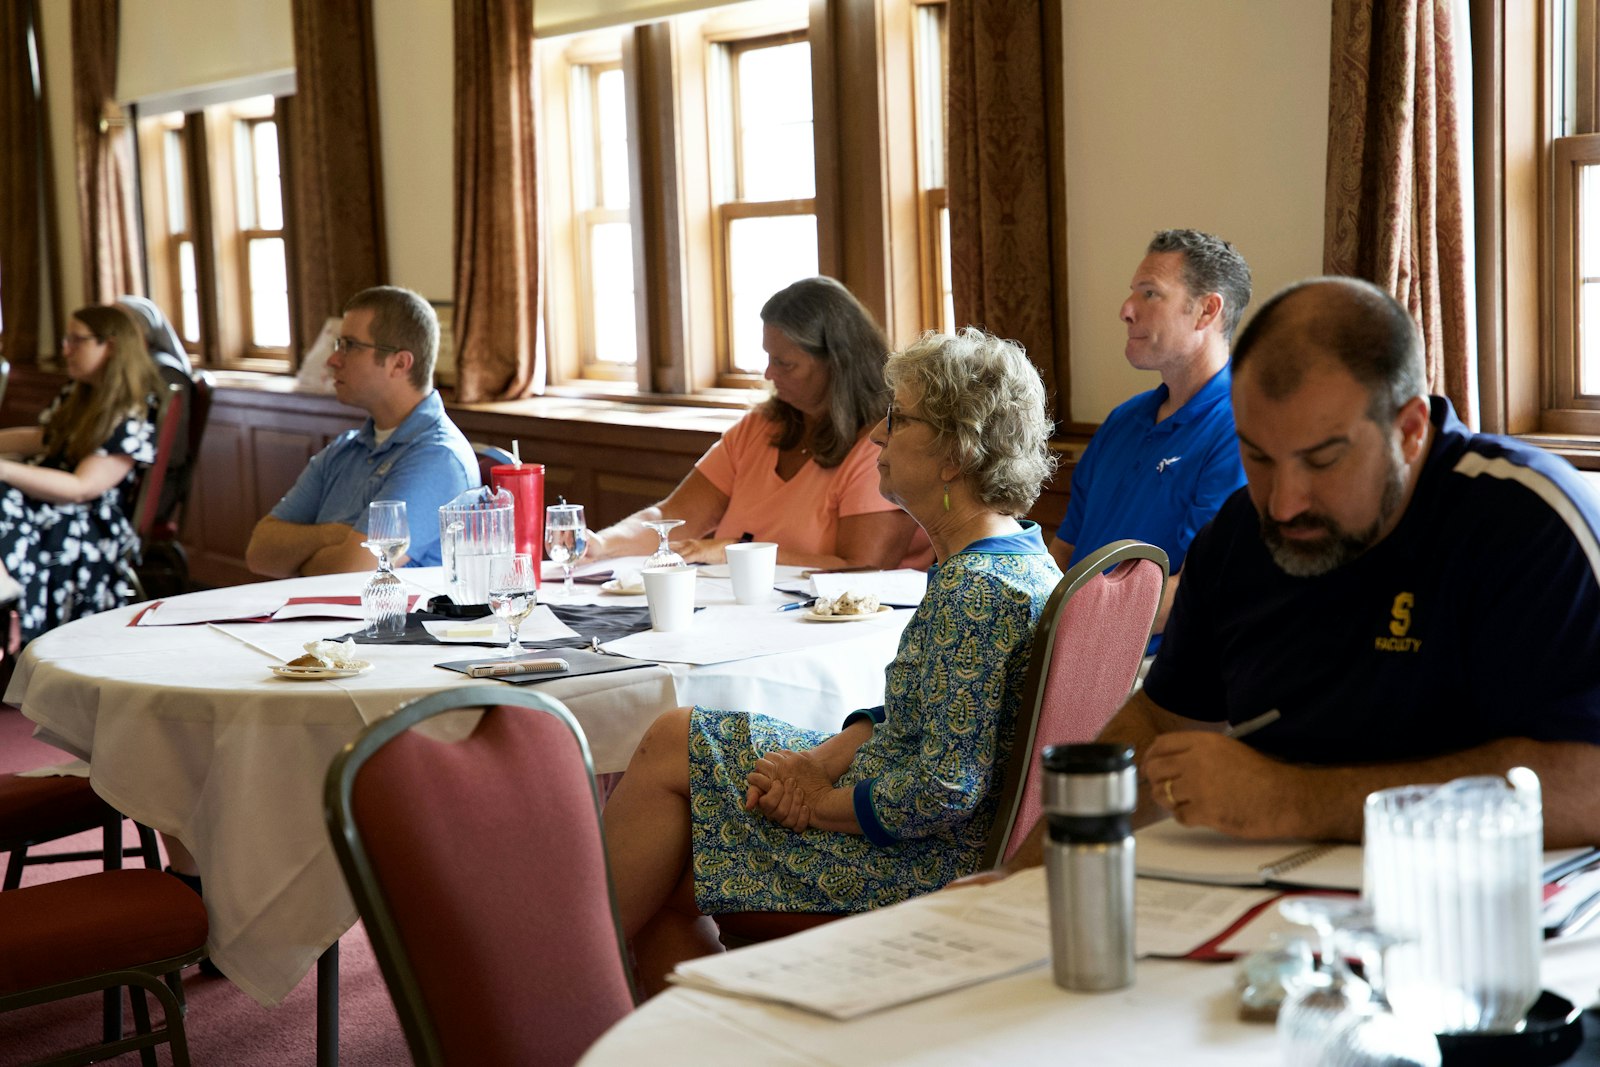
x: 1195, y: 854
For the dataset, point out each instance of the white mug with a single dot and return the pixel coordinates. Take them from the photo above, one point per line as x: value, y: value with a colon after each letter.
x: 753, y: 565
x: 670, y: 594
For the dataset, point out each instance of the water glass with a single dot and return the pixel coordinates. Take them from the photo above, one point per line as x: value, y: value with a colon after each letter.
x: 1454, y: 871
x: 513, y: 593
x: 1317, y: 1003
x: 566, y: 538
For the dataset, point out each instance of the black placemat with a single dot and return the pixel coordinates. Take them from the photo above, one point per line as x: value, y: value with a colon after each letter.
x: 579, y: 662
x: 593, y: 622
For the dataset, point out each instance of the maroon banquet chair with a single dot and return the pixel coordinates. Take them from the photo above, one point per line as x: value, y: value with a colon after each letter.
x: 99, y: 932
x: 34, y: 811
x: 1081, y: 667
x: 479, y: 868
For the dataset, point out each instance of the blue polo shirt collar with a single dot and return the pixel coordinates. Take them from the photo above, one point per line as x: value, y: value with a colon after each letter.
x: 422, y: 418
x: 1219, y: 390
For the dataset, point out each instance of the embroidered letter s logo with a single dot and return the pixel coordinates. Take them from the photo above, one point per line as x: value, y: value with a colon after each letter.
x: 1402, y: 614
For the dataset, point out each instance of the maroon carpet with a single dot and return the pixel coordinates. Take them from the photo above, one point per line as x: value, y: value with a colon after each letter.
x: 226, y: 1027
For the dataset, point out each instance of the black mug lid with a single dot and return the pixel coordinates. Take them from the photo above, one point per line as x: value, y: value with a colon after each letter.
x: 1087, y: 758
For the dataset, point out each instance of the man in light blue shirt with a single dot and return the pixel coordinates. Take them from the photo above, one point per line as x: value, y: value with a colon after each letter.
x: 406, y: 450
x: 1163, y: 462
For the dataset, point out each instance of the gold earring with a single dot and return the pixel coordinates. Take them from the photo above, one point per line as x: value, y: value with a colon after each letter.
x: 947, y: 496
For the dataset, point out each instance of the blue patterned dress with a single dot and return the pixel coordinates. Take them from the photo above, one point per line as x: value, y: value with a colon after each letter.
x: 65, y: 555
x: 924, y: 783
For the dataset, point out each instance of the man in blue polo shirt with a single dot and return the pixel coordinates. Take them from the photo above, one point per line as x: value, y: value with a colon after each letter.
x: 407, y: 450
x: 1392, y: 600
x: 1163, y: 462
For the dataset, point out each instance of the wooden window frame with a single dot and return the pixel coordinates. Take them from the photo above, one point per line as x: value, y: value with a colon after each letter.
x: 932, y: 155
x: 869, y: 216
x: 243, y: 120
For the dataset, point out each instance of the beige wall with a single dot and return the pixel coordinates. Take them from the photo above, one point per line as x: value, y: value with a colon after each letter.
x: 1209, y: 115
x: 416, y: 92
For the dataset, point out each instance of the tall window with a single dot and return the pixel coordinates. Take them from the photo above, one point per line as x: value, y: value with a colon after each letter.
x: 766, y: 184
x: 213, y: 210
x: 605, y: 231
x: 265, y: 278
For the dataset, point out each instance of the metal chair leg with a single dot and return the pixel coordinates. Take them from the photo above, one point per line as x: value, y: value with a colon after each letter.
x: 141, y: 1022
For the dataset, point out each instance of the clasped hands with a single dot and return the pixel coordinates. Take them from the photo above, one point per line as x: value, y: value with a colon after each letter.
x: 786, y: 787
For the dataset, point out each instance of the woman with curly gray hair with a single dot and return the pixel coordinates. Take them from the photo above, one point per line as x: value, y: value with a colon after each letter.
x: 724, y: 811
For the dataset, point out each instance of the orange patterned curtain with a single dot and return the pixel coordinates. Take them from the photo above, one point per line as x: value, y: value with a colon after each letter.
x: 1007, y: 190
x: 497, y: 276
x: 1396, y: 210
x: 328, y: 131
x: 113, y: 263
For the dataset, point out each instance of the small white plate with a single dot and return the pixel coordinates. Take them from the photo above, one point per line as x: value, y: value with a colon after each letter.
x: 614, y: 588
x: 812, y: 616
x: 312, y: 674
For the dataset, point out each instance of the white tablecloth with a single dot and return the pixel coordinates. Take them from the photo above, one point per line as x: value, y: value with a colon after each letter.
x: 1176, y: 1012
x: 187, y: 730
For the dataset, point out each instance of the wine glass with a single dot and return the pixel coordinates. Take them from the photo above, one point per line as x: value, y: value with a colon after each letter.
x: 663, y: 555
x: 1373, y: 1036
x: 566, y: 538
x: 1317, y: 1004
x: 383, y: 599
x: 511, y: 595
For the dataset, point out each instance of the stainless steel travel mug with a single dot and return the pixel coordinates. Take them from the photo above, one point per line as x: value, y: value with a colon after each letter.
x: 1090, y: 792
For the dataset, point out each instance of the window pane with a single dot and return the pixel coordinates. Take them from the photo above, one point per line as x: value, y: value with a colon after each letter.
x: 764, y: 255
x: 172, y: 172
x: 611, y: 278
x: 1589, y: 221
x: 269, y: 293
x: 949, y: 301
x: 776, y: 149
x: 611, y: 117
x: 189, y: 287
x: 1589, y: 338
x: 269, y: 195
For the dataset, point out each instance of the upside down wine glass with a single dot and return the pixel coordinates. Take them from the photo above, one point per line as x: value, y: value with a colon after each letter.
x: 383, y: 600
x: 1312, y: 1010
x: 566, y: 538
x: 663, y: 556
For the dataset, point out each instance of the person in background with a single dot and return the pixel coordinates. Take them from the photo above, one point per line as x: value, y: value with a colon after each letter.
x: 64, y: 508
x: 406, y: 450
x: 1163, y: 462
x: 725, y: 811
x: 1398, y: 599
x: 799, y: 469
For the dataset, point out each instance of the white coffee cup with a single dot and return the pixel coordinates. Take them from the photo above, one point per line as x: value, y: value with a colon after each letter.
x: 754, y: 567
x: 670, y: 594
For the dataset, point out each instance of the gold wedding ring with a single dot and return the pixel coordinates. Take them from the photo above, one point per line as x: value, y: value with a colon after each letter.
x: 1171, y: 801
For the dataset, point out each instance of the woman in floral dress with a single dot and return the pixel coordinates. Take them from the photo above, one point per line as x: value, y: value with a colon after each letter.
x: 63, y: 509
x: 725, y: 811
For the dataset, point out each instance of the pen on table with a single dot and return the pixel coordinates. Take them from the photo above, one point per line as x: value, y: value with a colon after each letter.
x: 1581, y: 915
x: 797, y: 605
x: 248, y: 644
x: 520, y: 666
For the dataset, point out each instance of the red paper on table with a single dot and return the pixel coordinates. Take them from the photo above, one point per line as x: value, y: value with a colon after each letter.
x: 525, y: 483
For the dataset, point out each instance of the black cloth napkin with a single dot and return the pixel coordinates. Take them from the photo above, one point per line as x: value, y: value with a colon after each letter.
x: 593, y: 622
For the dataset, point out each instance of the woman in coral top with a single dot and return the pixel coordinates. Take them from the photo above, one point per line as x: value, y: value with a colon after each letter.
x: 799, y: 469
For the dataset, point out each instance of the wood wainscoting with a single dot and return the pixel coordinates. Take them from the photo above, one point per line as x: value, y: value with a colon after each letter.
x: 612, y: 456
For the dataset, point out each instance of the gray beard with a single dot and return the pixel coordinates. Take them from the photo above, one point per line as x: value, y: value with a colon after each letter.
x: 1308, y: 560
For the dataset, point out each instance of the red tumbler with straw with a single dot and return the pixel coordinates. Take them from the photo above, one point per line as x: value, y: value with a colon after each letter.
x: 525, y: 483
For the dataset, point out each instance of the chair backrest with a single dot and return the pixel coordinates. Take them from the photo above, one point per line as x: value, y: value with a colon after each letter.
x: 180, y: 475
x: 490, y: 456
x: 147, y: 497
x: 1082, y: 666
x: 479, y: 868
